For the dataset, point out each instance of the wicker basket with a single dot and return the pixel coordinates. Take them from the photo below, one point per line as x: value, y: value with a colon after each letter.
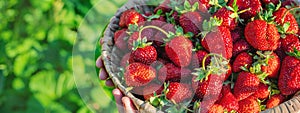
x: 111, y: 57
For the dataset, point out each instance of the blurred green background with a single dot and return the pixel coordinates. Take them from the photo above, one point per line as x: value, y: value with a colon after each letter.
x: 37, y: 59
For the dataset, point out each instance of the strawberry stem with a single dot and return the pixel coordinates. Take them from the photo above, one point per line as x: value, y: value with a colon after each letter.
x: 287, y: 11
x: 153, y: 27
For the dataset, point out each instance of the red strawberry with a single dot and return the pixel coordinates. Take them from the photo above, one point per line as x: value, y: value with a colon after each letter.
x: 227, y: 20
x: 130, y: 16
x: 262, y: 92
x: 288, y: 40
x: 146, y: 55
x: 120, y: 39
x: 293, y: 46
x: 143, y: 52
x: 246, y: 85
x: 237, y: 33
x: 275, y: 100
x: 289, y: 82
x: 253, y: 5
x: 243, y: 59
x: 219, y: 42
x: 240, y: 46
x: 273, y: 66
x: 179, y: 50
x: 198, y: 59
x: 289, y: 18
x: 248, y: 105
x: 229, y: 102
x: 275, y: 2
x: 229, y: 72
x: 138, y: 74
x: 216, y: 108
x: 261, y: 35
x: 179, y: 92
x: 150, y: 89
x: 170, y: 72
x: 190, y: 19
x: 126, y: 59
x: 190, y: 22
x: 205, y: 3
x: 209, y: 88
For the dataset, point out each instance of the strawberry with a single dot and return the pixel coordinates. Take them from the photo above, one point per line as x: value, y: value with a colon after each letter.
x: 216, y: 108
x: 209, y: 88
x: 293, y: 46
x: 190, y: 19
x: 252, y: 6
x: 262, y: 91
x: 138, y: 74
x: 229, y: 102
x: 207, y: 81
x: 179, y: 50
x: 126, y: 59
x: 227, y: 20
x: 289, y: 82
x: 240, y: 46
x: 143, y: 52
x: 170, y: 72
x: 283, y: 16
x: 198, y: 59
x: 273, y: 66
x: 243, y: 59
x: 287, y: 41
x: 275, y: 2
x: 150, y: 89
x: 229, y: 72
x: 130, y: 16
x: 248, y: 105
x: 246, y: 85
x: 275, y: 100
x: 120, y: 37
x: 178, y: 92
x: 237, y: 33
x: 261, y: 35
x: 216, y: 38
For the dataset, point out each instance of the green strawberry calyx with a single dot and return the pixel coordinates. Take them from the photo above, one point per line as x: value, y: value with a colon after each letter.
x: 218, y: 66
x: 261, y: 59
x: 235, y: 10
x: 154, y: 16
x: 140, y: 43
x: 187, y: 7
x: 210, y: 26
x: 295, y: 53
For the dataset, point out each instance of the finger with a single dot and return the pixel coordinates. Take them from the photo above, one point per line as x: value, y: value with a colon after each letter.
x: 109, y: 83
x: 101, y: 41
x: 103, y: 74
x: 129, y: 107
x: 118, y: 97
x: 99, y: 62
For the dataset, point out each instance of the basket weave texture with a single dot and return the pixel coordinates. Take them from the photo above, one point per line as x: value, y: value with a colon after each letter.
x: 111, y: 57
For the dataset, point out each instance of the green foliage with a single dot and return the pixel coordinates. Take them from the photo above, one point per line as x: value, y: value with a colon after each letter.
x: 36, y: 43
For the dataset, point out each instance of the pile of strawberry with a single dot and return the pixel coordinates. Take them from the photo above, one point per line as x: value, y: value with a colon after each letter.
x: 211, y: 55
